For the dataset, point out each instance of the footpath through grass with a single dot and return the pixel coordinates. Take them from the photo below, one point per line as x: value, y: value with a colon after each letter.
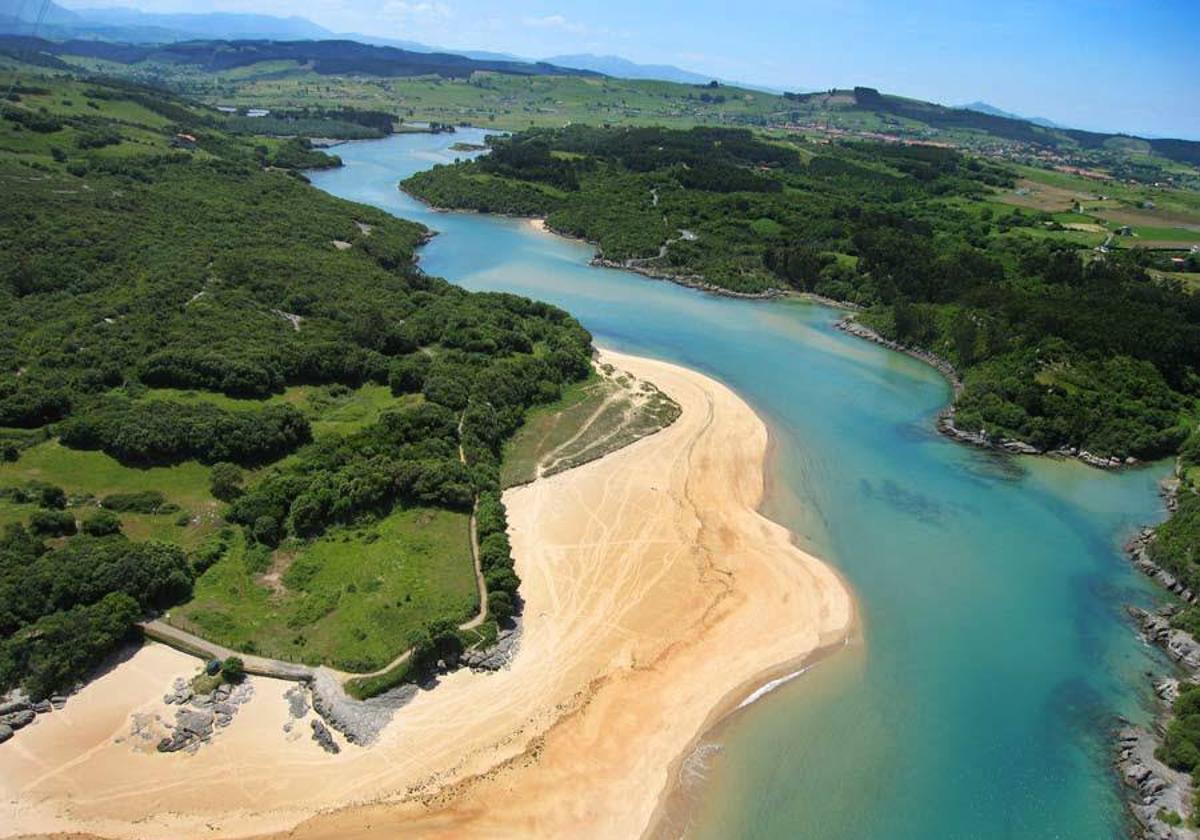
x: 609, y: 410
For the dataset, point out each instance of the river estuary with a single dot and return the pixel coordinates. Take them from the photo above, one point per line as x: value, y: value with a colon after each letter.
x: 994, y: 652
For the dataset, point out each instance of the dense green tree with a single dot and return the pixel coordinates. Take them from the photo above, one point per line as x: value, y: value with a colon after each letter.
x: 225, y: 481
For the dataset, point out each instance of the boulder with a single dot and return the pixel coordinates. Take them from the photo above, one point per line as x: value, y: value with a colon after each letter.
x: 1135, y: 773
x: 297, y: 699
x: 496, y: 657
x: 197, y: 723
x: 14, y: 706
x: 322, y: 735
x: 19, y: 719
x: 191, y: 728
x: 5, y: 732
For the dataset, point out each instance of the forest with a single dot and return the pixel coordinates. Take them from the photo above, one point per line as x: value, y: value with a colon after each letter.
x: 138, y: 273
x: 1059, y: 346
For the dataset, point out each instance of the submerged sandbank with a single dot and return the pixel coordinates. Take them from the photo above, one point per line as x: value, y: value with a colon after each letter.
x: 657, y: 597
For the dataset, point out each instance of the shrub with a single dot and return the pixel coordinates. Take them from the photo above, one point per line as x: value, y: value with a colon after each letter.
x: 102, y: 523
x: 207, y: 554
x: 233, y: 669
x: 139, y: 501
x: 500, y: 605
x: 266, y: 531
x: 50, y: 496
x: 52, y: 523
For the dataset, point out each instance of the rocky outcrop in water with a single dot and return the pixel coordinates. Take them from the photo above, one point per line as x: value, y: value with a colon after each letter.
x: 1139, y: 552
x: 1158, y: 794
x: 1178, y: 644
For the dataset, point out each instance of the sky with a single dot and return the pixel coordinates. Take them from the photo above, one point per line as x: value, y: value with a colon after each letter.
x: 1107, y: 65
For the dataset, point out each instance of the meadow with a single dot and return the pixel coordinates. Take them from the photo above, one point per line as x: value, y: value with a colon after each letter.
x: 353, y: 598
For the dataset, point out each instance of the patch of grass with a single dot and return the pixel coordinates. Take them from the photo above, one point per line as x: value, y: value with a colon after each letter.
x: 1168, y: 233
x: 548, y: 427
x: 206, y: 683
x: 362, y: 688
x: 609, y: 410
x: 94, y: 473
x: 89, y: 476
x: 766, y: 227
x: 350, y: 599
x: 1169, y: 817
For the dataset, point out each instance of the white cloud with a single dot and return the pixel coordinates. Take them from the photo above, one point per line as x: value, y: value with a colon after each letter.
x: 554, y: 22
x: 422, y: 10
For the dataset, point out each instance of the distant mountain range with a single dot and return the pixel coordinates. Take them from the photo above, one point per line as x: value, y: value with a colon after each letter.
x: 131, y: 36
x: 133, y: 26
x: 623, y: 68
x: 325, y: 57
x: 985, y: 108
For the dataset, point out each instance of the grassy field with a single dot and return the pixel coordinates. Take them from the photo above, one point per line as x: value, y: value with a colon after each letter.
x: 89, y: 476
x: 608, y: 411
x: 351, y: 598
x: 486, y: 99
x: 548, y: 427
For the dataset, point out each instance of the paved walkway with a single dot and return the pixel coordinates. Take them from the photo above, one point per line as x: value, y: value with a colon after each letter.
x: 187, y: 642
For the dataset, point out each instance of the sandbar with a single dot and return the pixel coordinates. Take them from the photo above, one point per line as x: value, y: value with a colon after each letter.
x: 656, y: 599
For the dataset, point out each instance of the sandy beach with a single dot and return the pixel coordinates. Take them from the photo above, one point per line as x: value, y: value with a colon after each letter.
x: 656, y: 599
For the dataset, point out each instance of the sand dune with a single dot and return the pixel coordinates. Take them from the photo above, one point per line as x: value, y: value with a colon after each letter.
x: 656, y: 597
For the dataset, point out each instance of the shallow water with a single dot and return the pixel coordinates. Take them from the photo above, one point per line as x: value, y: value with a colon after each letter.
x: 994, y: 654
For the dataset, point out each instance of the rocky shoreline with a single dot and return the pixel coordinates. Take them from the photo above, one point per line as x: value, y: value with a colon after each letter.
x: 945, y: 420
x: 198, y: 718
x: 361, y: 721
x: 1155, y: 791
x: 689, y: 281
x: 1160, y: 798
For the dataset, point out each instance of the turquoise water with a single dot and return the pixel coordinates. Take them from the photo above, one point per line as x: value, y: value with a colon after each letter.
x: 994, y: 653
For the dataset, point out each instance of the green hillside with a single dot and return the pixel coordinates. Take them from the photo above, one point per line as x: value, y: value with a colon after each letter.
x: 292, y: 76
x: 1065, y: 341
x: 193, y: 416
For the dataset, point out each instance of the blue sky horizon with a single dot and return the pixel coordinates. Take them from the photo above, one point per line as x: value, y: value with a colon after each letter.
x: 1104, y: 65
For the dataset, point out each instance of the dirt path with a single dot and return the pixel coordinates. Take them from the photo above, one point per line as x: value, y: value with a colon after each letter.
x: 551, y: 458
